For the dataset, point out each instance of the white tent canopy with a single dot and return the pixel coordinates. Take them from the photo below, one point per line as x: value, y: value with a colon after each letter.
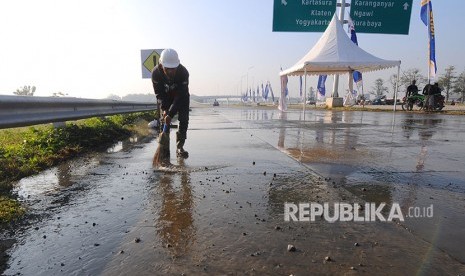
x: 335, y: 53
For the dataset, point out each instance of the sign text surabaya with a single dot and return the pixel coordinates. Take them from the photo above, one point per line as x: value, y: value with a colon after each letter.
x: 369, y: 24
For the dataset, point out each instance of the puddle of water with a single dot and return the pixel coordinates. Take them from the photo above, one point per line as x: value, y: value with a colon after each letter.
x: 116, y: 147
x: 411, y: 159
x: 43, y: 183
x: 197, y: 219
x: 55, y: 179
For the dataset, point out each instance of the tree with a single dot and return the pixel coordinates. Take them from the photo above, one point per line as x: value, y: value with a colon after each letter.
x: 379, y: 88
x: 26, y: 90
x: 459, y: 86
x: 412, y: 74
x: 447, y: 80
x: 59, y: 94
x: 393, y: 82
x: 113, y: 97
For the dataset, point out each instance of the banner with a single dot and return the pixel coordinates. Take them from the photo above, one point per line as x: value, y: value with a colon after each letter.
x: 265, y: 95
x: 244, y: 97
x: 271, y: 90
x: 321, y: 85
x: 353, y: 36
x: 426, y: 15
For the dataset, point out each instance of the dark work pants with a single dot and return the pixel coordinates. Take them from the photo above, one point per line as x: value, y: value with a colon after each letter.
x: 183, y: 117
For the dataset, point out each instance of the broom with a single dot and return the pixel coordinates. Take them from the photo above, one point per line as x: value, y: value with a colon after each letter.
x: 162, y: 155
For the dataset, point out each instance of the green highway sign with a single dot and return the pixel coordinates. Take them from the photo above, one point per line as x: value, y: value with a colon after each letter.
x: 381, y: 16
x: 302, y: 15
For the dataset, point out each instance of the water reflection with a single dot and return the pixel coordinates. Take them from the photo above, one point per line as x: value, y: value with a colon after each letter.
x: 64, y: 175
x: 54, y: 179
x: 282, y: 129
x: 116, y: 147
x: 329, y: 146
x: 175, y: 223
x: 127, y: 144
x: 426, y: 128
x: 257, y: 115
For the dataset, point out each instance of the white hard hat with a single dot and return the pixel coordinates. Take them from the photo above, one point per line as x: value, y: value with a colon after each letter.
x: 169, y: 58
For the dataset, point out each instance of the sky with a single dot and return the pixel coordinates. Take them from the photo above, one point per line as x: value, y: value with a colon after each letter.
x: 91, y: 49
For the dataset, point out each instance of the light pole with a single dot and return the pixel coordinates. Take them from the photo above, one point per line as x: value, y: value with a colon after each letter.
x: 248, y: 76
x: 242, y: 77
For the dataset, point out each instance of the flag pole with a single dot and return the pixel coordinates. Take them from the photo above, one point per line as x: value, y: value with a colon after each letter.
x: 335, y: 93
x: 305, y: 90
x: 397, y: 88
x: 316, y: 96
x: 429, y: 43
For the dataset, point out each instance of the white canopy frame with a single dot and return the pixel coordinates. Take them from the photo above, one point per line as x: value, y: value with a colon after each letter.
x: 335, y: 54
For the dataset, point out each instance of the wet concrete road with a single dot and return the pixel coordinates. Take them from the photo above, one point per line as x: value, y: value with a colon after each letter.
x: 219, y: 213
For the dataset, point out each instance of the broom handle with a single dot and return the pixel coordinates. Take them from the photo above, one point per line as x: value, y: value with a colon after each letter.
x: 166, y: 128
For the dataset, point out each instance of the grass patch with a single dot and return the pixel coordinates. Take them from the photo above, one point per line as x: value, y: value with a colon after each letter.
x: 29, y: 150
x: 9, y: 209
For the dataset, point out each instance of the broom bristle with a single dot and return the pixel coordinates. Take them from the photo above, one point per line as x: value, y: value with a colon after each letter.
x: 162, y: 155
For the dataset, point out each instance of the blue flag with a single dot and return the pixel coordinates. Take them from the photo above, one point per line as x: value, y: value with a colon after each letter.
x: 357, y: 77
x: 426, y: 15
x: 424, y: 11
x: 284, y: 81
x: 265, y: 96
x: 271, y: 90
x: 300, y: 86
x: 244, y: 97
x: 353, y: 36
x: 321, y: 84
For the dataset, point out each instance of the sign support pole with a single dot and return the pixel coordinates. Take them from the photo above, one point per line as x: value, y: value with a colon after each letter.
x: 305, y: 90
x: 336, y: 77
x: 397, y: 88
x: 335, y: 100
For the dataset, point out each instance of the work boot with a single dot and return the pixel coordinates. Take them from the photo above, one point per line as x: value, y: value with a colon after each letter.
x: 180, y: 152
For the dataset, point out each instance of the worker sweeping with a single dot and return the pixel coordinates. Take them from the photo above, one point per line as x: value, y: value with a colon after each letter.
x: 171, y: 85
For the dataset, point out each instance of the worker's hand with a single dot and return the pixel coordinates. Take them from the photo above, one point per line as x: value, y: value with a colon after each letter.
x: 167, y: 119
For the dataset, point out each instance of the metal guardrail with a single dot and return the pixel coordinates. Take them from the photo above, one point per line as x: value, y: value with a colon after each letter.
x: 17, y: 111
